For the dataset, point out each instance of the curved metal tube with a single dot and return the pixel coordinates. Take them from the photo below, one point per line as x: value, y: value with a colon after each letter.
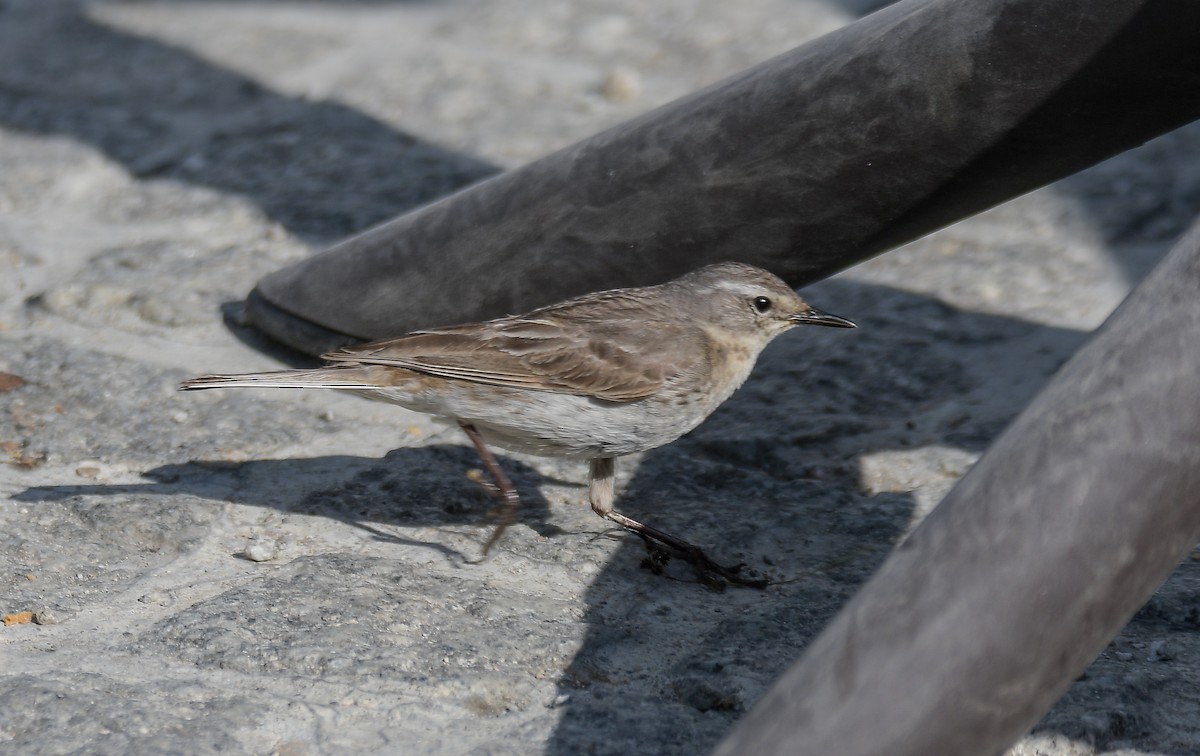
x: 977, y: 623
x: 882, y: 131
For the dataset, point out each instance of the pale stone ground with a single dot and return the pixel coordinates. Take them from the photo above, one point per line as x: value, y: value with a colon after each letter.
x: 157, y: 158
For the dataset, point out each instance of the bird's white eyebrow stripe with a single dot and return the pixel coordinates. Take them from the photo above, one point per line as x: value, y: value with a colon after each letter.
x: 740, y: 288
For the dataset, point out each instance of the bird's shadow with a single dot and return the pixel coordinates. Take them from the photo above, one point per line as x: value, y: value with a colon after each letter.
x: 425, y: 487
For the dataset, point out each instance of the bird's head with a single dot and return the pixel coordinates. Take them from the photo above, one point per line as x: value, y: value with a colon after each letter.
x: 748, y: 301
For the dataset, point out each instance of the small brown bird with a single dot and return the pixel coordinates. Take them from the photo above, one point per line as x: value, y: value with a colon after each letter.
x: 591, y: 378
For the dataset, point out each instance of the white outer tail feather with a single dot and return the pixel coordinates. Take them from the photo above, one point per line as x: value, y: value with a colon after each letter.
x: 317, y: 378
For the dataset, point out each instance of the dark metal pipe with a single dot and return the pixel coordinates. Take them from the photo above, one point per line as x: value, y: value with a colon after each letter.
x: 887, y: 129
x: 978, y: 622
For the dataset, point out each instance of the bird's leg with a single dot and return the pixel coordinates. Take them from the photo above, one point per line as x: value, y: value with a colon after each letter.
x: 503, y: 488
x: 601, y: 494
x: 602, y: 485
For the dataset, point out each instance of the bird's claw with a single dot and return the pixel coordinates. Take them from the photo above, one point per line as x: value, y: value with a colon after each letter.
x: 712, y: 575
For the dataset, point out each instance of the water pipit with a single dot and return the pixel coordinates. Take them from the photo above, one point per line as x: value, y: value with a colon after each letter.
x: 591, y: 378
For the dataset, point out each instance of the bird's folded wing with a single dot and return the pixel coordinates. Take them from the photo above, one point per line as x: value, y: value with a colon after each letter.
x: 620, y: 361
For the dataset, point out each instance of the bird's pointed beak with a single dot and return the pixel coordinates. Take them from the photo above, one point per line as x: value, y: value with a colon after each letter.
x: 816, y: 317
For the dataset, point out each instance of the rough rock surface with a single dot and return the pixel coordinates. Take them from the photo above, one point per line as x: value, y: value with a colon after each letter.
x: 295, y: 572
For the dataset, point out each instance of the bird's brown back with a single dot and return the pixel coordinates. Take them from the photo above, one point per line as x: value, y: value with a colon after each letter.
x: 613, y: 345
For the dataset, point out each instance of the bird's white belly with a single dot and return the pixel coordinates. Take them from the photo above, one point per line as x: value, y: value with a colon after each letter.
x: 556, y: 425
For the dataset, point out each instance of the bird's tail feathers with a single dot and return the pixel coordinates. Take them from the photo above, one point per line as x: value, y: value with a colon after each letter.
x: 332, y: 378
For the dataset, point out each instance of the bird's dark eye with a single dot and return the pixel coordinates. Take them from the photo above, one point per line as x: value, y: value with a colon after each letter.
x: 762, y: 305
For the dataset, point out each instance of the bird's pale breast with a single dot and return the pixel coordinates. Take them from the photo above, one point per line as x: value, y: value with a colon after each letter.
x: 555, y: 424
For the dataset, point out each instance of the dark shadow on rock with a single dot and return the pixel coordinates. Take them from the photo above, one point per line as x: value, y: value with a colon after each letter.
x: 321, y: 169
x: 790, y: 495
x: 1141, y: 201
x: 419, y: 487
x: 776, y: 479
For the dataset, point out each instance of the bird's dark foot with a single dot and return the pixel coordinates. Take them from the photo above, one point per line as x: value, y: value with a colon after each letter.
x: 712, y: 575
x: 657, y: 556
